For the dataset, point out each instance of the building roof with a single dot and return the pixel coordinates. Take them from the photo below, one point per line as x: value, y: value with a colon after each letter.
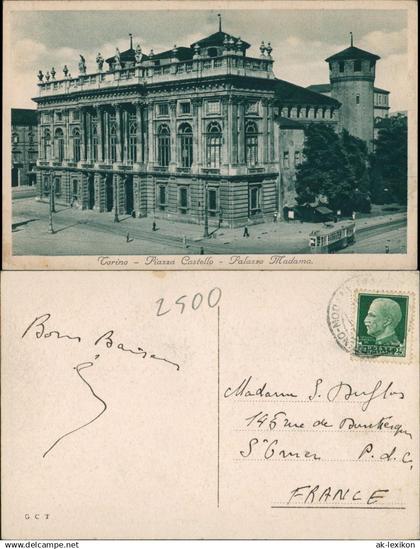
x: 352, y: 53
x: 380, y: 90
x: 289, y: 93
x: 325, y: 88
x: 127, y: 55
x: 217, y: 39
x: 24, y: 117
x: 183, y: 54
x: 289, y: 124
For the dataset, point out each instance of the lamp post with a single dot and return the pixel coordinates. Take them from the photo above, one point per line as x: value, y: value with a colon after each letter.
x: 51, y: 209
x: 206, y: 211
x: 116, y: 219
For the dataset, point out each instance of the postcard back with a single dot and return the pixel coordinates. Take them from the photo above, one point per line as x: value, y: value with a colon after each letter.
x: 210, y: 405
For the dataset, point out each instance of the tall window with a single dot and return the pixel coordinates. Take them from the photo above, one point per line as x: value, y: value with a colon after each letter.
x: 214, y: 144
x: 15, y: 139
x: 113, y: 142
x: 357, y: 65
x: 183, y: 199
x: 59, y: 144
x: 94, y: 139
x: 132, y: 142
x: 251, y: 143
x: 164, y: 145
x: 76, y: 145
x: 47, y: 145
x: 286, y: 159
x: 185, y: 138
x: 341, y: 66
x: 162, y: 197
x: 254, y: 199
x: 357, y: 99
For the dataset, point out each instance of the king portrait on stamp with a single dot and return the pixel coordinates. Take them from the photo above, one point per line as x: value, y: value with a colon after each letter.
x: 381, y: 325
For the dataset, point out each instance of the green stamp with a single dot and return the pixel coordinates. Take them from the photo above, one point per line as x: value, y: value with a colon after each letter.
x: 381, y: 325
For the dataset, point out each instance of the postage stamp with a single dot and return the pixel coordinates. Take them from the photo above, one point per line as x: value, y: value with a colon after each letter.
x: 381, y: 325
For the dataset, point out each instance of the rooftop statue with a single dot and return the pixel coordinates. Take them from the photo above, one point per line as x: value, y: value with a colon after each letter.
x: 65, y: 71
x: 99, y: 61
x: 82, y: 65
x: 138, y: 56
x: 40, y: 76
x: 117, y: 59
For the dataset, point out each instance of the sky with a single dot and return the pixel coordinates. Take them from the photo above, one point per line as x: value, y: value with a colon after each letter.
x: 301, y: 40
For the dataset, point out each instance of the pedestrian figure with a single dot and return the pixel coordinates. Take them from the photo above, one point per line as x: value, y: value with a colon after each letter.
x: 387, y: 249
x: 184, y: 241
x: 133, y: 213
x: 275, y: 217
x: 154, y: 226
x: 201, y: 250
x: 128, y: 238
x: 353, y: 216
x: 73, y: 200
x: 246, y: 231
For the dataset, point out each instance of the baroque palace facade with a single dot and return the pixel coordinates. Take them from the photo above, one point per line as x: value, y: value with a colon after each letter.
x: 203, y: 134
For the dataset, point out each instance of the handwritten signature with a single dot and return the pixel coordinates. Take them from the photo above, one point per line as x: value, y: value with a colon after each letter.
x: 39, y: 328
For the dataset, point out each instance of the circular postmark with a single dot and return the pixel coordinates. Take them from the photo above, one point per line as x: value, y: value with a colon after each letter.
x: 340, y: 311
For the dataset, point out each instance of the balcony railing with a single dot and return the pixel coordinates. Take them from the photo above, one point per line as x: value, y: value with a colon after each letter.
x: 174, y: 70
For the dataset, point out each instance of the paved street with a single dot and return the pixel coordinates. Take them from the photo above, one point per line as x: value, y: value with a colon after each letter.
x: 86, y: 232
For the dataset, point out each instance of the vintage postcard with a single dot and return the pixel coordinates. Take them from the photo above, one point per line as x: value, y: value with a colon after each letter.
x: 210, y: 135
x: 161, y: 405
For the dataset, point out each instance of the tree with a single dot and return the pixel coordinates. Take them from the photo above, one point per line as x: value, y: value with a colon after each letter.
x: 389, y: 161
x: 335, y: 167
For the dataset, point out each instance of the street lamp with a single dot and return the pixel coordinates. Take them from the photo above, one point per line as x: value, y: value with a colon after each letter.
x: 51, y: 208
x: 116, y: 219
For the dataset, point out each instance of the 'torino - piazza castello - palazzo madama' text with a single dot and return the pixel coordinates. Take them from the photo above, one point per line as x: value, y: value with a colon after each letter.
x: 204, y: 134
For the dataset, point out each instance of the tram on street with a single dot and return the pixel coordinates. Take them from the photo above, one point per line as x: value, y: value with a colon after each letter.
x: 332, y: 237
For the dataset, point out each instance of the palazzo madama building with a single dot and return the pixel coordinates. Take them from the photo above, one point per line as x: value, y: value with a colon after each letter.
x: 203, y: 134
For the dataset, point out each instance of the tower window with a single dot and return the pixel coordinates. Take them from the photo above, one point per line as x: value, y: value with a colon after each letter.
x: 341, y: 66
x: 357, y: 99
x: 357, y: 65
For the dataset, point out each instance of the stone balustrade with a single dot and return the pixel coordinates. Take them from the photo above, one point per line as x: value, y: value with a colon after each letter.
x: 227, y: 64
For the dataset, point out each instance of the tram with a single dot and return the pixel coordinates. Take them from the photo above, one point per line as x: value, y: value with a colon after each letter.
x: 332, y: 237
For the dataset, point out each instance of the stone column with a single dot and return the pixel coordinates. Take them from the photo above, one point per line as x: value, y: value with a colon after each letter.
x: 265, y: 131
x: 151, y: 142
x: 270, y: 132
x: 67, y: 152
x: 119, y: 134
x: 88, y: 136
x: 241, y: 132
x: 225, y: 132
x: 106, y: 136
x: 174, y: 159
x: 84, y: 191
x: 82, y: 134
x: 196, y: 126
x: 124, y: 133
x: 140, y: 146
x: 99, y: 115
x: 97, y: 182
x: 234, y: 131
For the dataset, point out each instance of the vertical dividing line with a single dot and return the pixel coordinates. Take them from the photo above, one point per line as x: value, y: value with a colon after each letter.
x: 218, y: 406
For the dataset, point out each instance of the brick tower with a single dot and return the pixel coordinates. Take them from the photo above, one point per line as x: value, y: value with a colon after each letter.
x: 352, y: 76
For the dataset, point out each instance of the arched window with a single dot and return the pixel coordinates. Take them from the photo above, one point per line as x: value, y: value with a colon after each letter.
x: 164, y: 145
x: 113, y: 142
x: 132, y: 142
x: 47, y: 144
x: 251, y: 143
x: 76, y: 145
x: 95, y: 140
x: 15, y: 139
x: 214, y: 144
x: 59, y: 144
x: 185, y: 138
